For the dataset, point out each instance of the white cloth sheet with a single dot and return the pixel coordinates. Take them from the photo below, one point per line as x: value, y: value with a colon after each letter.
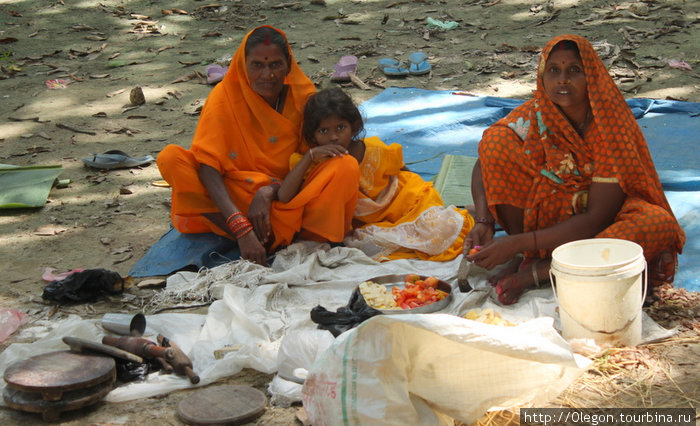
x: 256, y: 307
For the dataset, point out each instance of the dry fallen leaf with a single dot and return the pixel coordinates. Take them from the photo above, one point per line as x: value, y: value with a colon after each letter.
x: 115, y: 93
x: 151, y: 282
x: 123, y: 259
x: 188, y: 77
x: 81, y: 27
x: 209, y: 6
x: 358, y: 82
x: 121, y: 250
x: 128, y: 282
x: 49, y: 230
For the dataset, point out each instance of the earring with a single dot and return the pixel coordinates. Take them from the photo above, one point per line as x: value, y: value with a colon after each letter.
x: 272, y: 75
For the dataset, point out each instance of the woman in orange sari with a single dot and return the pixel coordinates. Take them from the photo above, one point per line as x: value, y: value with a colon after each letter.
x: 227, y: 182
x: 570, y: 164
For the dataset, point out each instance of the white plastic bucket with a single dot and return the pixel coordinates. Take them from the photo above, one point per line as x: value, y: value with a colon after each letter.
x: 600, y: 289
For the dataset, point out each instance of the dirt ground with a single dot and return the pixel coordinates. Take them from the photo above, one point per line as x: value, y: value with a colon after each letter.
x: 104, y: 49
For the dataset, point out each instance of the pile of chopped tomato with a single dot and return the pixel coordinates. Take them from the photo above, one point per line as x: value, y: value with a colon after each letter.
x: 417, y: 292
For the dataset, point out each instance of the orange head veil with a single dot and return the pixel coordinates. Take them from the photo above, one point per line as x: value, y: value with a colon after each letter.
x: 295, y: 79
x: 239, y: 130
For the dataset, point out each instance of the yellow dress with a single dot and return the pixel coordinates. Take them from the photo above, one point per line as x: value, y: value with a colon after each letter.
x: 399, y: 214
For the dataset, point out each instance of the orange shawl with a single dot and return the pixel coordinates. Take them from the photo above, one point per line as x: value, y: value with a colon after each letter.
x: 553, y: 166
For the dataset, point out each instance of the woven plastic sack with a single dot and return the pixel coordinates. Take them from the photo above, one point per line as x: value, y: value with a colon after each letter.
x: 432, y: 369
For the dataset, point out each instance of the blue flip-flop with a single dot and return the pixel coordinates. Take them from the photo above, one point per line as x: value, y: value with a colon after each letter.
x: 392, y: 68
x: 418, y: 63
x: 116, y: 159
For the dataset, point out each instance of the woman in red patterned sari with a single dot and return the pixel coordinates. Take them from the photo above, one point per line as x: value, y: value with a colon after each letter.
x: 569, y: 164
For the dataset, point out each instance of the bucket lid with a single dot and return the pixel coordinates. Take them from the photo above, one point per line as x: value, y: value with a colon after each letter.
x: 606, y: 253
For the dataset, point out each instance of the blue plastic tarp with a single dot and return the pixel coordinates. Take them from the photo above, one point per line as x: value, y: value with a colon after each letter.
x: 429, y: 124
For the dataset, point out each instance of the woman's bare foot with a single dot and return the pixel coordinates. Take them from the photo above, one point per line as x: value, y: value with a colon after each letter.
x: 510, y: 269
x: 531, y: 272
x: 662, y: 269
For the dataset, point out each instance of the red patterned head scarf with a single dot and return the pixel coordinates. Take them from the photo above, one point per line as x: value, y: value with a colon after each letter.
x: 617, y: 146
x: 534, y: 158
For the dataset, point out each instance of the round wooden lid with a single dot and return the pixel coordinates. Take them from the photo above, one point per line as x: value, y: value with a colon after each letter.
x: 229, y: 404
x: 59, y: 371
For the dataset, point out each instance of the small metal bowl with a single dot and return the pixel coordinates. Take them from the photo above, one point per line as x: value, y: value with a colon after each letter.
x: 400, y: 281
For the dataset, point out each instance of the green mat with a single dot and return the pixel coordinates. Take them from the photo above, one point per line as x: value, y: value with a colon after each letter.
x: 22, y: 187
x: 454, y: 180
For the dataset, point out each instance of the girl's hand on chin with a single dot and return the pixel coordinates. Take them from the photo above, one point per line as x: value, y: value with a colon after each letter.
x: 324, y: 152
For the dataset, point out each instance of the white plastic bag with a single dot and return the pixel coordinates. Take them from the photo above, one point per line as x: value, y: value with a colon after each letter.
x: 298, y: 352
x: 430, y: 369
x: 10, y: 321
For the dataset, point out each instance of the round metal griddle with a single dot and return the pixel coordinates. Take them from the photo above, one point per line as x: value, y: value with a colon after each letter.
x: 227, y: 404
x: 400, y: 281
x: 58, y: 381
x: 33, y: 402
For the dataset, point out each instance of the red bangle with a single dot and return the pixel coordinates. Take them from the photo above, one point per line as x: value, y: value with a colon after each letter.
x: 230, y: 218
x: 244, y: 232
x: 239, y: 226
x: 238, y: 233
x: 238, y: 221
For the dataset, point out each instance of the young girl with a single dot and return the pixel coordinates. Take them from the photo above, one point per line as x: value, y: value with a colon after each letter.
x: 331, y: 127
x: 398, y: 214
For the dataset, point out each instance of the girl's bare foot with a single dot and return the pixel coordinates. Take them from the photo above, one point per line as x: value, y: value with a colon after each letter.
x: 531, y: 272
